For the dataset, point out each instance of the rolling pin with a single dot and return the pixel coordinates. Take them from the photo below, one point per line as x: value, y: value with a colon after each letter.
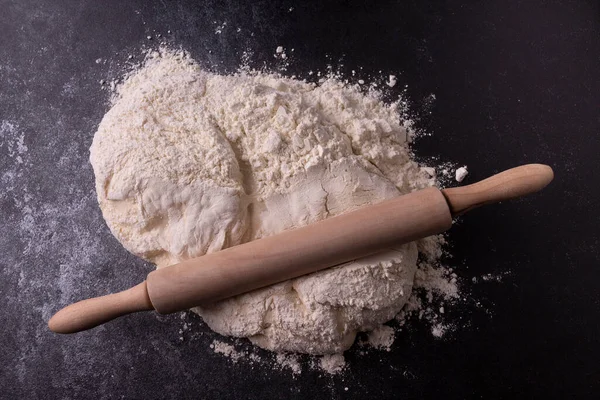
x: 301, y: 251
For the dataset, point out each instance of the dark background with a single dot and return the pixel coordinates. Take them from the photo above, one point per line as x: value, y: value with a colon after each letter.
x: 515, y: 82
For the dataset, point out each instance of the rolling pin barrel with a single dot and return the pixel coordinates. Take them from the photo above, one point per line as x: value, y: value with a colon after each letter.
x: 298, y: 252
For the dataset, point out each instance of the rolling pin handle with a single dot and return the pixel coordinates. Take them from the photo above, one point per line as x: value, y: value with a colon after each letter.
x: 90, y: 313
x: 506, y: 185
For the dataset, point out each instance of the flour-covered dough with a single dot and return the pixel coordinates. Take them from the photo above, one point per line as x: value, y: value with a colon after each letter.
x: 188, y: 162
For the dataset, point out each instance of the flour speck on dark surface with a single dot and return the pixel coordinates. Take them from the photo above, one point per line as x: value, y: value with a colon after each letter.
x: 511, y: 84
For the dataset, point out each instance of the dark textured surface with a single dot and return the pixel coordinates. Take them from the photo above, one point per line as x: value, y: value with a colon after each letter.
x: 515, y: 82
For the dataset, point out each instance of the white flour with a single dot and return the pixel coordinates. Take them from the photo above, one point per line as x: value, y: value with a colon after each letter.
x: 461, y: 173
x: 289, y: 361
x: 227, y: 350
x: 382, y: 337
x: 188, y: 162
x: 332, y: 363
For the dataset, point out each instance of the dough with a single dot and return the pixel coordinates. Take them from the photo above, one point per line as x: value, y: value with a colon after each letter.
x: 188, y: 162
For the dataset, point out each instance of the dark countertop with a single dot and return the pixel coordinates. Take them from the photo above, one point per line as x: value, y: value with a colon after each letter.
x: 515, y: 82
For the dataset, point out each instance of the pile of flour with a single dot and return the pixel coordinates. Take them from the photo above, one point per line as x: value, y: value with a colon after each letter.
x: 189, y: 162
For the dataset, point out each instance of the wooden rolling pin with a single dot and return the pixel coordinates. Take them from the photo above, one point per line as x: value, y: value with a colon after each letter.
x: 301, y: 251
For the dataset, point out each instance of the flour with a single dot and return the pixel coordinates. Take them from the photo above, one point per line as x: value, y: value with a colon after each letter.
x: 438, y: 330
x: 392, y: 81
x: 17, y: 148
x: 382, y: 337
x: 461, y: 173
x: 289, y: 361
x: 188, y: 162
x: 227, y: 350
x: 332, y: 363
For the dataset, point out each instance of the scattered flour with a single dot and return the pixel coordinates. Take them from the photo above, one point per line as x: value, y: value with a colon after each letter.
x: 226, y: 350
x: 289, y: 361
x: 438, y: 330
x: 280, y: 53
x: 491, y: 277
x: 436, y: 280
x: 382, y: 337
x: 333, y: 363
x: 220, y: 27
